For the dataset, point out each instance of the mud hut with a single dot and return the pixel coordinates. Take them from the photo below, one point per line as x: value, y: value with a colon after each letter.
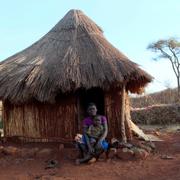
x: 45, y: 88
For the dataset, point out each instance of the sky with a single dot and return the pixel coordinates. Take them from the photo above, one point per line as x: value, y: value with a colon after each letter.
x: 130, y: 25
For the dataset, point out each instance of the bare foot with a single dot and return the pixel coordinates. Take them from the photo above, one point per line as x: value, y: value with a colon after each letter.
x: 93, y: 160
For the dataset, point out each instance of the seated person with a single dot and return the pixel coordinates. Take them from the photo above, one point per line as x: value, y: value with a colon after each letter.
x: 93, y: 141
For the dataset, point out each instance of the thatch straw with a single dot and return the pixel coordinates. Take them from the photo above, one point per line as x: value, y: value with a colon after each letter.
x: 74, y: 54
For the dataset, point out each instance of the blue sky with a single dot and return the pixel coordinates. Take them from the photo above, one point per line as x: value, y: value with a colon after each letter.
x: 129, y: 25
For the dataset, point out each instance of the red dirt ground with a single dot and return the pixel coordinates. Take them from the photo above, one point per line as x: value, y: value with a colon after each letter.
x: 153, y: 168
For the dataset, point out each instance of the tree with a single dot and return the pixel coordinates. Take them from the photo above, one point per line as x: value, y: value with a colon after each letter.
x: 169, y: 49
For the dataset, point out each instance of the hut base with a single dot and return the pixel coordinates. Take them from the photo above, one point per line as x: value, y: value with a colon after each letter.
x: 137, y: 131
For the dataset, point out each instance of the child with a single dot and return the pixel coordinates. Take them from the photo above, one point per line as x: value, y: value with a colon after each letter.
x: 94, y: 132
x: 96, y: 129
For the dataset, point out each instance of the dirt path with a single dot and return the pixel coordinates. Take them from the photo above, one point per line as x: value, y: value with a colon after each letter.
x: 153, y: 168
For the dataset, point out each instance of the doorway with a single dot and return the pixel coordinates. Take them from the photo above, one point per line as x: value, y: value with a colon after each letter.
x: 93, y: 95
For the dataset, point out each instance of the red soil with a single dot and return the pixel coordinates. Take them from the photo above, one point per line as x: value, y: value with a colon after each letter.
x: 153, y: 168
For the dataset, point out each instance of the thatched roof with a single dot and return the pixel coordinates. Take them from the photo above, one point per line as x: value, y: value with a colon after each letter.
x: 74, y: 54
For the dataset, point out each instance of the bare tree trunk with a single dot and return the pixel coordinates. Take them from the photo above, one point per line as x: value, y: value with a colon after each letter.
x: 178, y: 89
x: 128, y: 119
x: 123, y: 129
x: 130, y: 127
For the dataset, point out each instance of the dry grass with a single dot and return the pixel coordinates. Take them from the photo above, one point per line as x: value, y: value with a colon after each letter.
x: 168, y: 96
x: 157, y: 114
x: 157, y: 108
x: 72, y: 55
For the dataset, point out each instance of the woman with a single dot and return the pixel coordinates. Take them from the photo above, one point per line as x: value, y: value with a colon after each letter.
x: 88, y: 148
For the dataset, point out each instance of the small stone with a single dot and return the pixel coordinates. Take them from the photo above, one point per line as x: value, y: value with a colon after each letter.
x: 167, y: 157
x: 112, y: 153
x: 148, y: 149
x: 157, y: 133
x: 10, y: 150
x: 125, y: 154
x: 125, y: 145
x: 151, y: 144
x: 140, y: 153
x: 145, y: 147
x: 29, y: 152
x: 44, y: 152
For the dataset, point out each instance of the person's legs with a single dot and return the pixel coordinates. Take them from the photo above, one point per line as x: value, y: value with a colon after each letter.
x: 103, y: 148
x: 98, y: 152
x: 82, y: 150
x: 86, y: 156
x: 84, y: 159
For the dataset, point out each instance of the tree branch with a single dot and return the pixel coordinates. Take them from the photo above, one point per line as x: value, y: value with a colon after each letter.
x: 169, y: 49
x: 175, y: 57
x: 171, y: 60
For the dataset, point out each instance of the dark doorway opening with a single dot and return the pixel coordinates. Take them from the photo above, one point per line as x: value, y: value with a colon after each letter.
x: 95, y: 95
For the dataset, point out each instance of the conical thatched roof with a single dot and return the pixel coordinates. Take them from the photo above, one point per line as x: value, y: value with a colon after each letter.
x: 74, y: 54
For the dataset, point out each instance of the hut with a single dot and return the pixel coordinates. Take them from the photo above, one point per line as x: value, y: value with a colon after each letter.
x: 46, y: 87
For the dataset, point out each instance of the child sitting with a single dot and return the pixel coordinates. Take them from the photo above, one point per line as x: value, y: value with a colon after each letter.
x: 94, y: 132
x: 96, y: 129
